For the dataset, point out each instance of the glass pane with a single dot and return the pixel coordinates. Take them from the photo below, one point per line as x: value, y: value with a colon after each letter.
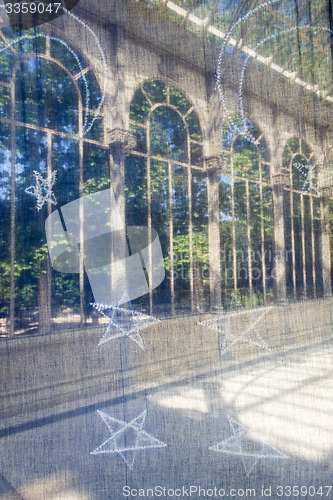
x: 66, y: 55
x: 180, y: 211
x: 65, y: 160
x: 269, y: 242
x: 298, y: 245
x: 256, y: 245
x: 139, y: 107
x: 225, y: 217
x: 179, y: 101
x: 5, y: 193
x: 136, y: 190
x: 156, y: 91
x: 241, y: 243
x: 301, y: 174
x: 200, y: 241
x: 30, y: 43
x: 160, y: 220
x: 193, y: 126
x: 168, y: 135
x: 308, y: 247
x: 294, y: 144
x: 96, y: 169
x: 4, y: 102
x: 317, y: 228
x: 245, y: 158
x: 7, y: 62
x: 288, y: 243
x: 44, y: 101
x: 88, y: 80
x: 196, y: 154
x: 96, y: 133
x: 141, y: 139
x: 31, y: 254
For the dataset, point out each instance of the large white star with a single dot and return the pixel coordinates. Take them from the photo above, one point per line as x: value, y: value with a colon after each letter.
x: 124, y: 322
x: 221, y: 324
x: 240, y: 444
x: 127, y: 438
x: 42, y: 189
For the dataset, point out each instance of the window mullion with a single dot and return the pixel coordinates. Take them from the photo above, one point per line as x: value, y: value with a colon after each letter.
x: 303, y: 247
x: 249, y: 249
x: 170, y: 217
x: 49, y: 210
x: 12, y: 209
x: 81, y: 214
x: 149, y: 219
x: 313, y: 250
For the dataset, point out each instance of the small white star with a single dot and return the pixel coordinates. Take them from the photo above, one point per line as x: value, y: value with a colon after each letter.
x: 124, y: 322
x: 240, y: 445
x: 42, y: 190
x: 127, y: 438
x: 221, y: 324
x: 309, y: 174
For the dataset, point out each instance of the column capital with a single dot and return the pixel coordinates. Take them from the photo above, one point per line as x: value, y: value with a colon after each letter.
x: 281, y: 178
x: 215, y: 163
x: 122, y: 136
x: 325, y: 181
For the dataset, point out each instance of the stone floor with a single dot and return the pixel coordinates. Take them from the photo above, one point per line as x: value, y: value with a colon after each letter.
x: 248, y: 429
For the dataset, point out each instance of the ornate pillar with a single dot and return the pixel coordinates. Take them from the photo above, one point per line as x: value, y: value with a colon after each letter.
x: 120, y: 141
x: 326, y: 193
x: 213, y: 164
x: 280, y: 180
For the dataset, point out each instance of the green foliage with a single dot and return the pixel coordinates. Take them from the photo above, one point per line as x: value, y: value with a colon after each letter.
x: 45, y: 97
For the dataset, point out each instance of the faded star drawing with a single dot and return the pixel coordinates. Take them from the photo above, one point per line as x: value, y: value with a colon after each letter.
x: 42, y: 189
x: 127, y: 438
x: 240, y: 444
x: 222, y: 325
x: 124, y: 322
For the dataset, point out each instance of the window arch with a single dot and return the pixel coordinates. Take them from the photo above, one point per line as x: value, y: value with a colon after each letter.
x: 50, y: 97
x: 166, y: 189
x: 302, y: 221
x: 246, y: 215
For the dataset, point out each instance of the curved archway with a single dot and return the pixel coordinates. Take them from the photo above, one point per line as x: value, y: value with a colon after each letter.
x: 166, y: 189
x: 302, y: 215
x: 49, y: 94
x: 246, y: 215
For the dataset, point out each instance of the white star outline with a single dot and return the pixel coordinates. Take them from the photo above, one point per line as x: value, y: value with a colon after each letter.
x: 309, y: 176
x: 118, y: 428
x: 234, y: 445
x: 114, y: 330
x: 221, y: 324
x: 42, y: 189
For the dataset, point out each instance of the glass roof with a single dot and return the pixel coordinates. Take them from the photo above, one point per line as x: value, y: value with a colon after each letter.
x: 292, y: 37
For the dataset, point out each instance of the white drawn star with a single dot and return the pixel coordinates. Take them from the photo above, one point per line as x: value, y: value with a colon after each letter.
x: 309, y: 175
x: 240, y: 444
x: 124, y: 322
x: 221, y: 324
x: 127, y: 438
x: 42, y: 189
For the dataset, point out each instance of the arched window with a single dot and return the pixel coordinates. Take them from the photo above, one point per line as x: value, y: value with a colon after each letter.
x: 49, y: 98
x: 166, y: 189
x: 246, y: 216
x: 302, y: 221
